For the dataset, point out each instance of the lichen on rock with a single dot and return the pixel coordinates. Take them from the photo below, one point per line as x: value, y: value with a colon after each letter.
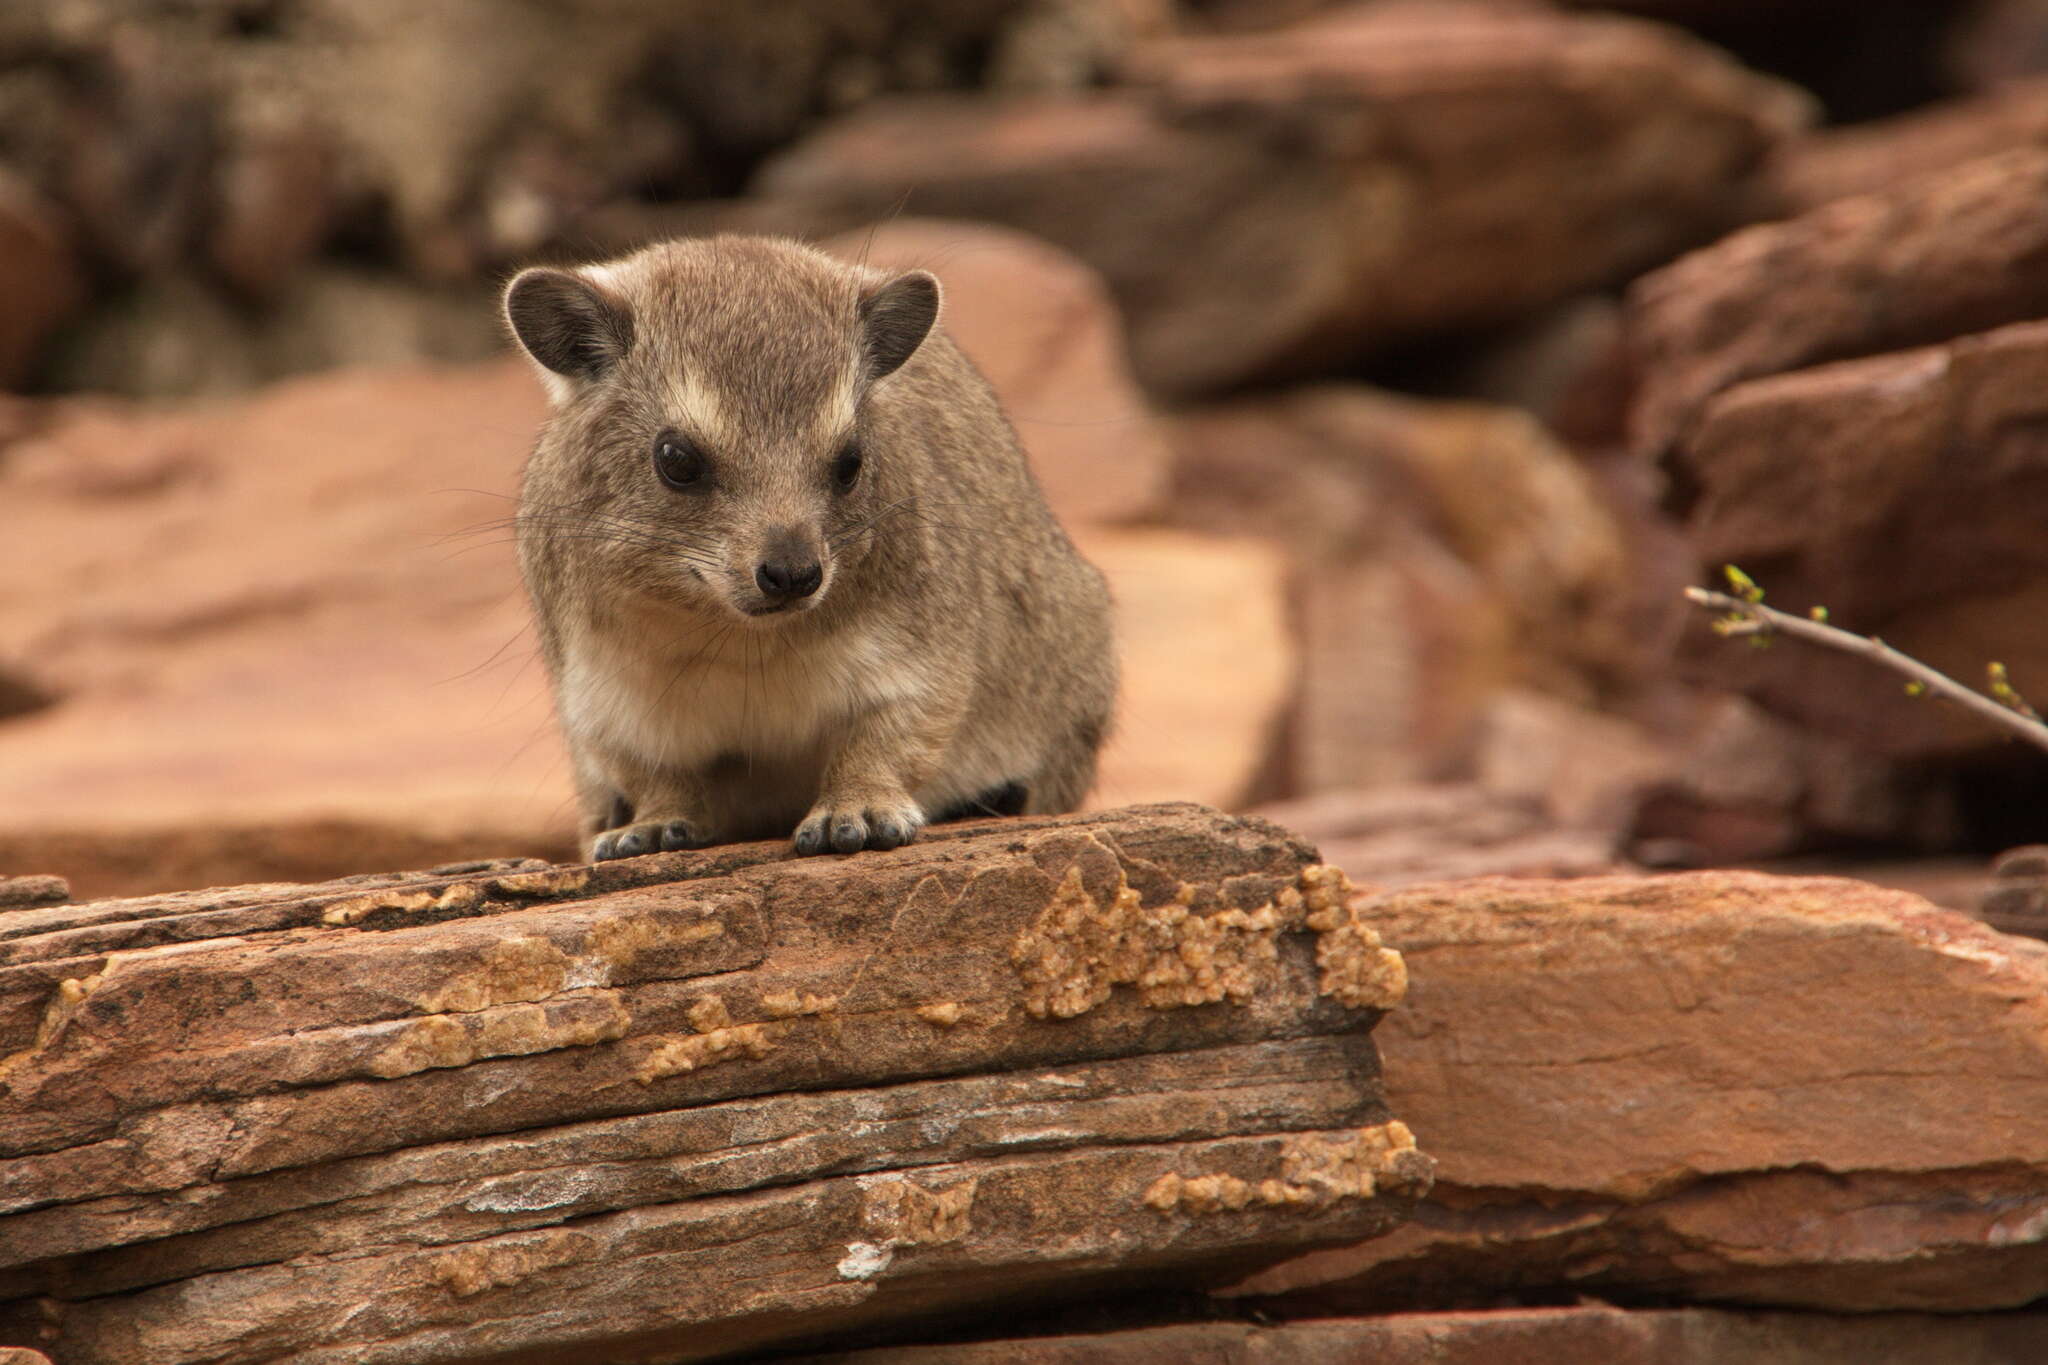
x: 1357, y: 969
x: 792, y: 1004
x: 1316, y: 1170
x: 457, y: 897
x: 542, y: 884
x: 1079, y: 950
x: 470, y: 1270
x: 898, y: 1211
x: 68, y: 999
x: 514, y: 969
x: 1357, y: 1165
x: 442, y: 1040
x: 717, y: 1039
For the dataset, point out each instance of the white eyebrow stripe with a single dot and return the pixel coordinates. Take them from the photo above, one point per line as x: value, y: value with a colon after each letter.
x: 835, y: 416
x: 702, y: 410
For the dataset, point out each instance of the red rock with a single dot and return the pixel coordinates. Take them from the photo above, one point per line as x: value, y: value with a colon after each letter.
x: 1586, y: 770
x: 1361, y: 177
x: 1936, y: 258
x: 19, y: 891
x: 273, y: 629
x: 1522, y: 1336
x: 2016, y: 899
x: 1718, y: 1086
x: 1882, y: 156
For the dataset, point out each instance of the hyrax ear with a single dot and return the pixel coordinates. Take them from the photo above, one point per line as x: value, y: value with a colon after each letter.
x: 895, y: 318
x: 567, y: 323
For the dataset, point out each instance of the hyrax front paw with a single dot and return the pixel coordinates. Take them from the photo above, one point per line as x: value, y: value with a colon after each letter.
x: 648, y: 836
x: 832, y: 827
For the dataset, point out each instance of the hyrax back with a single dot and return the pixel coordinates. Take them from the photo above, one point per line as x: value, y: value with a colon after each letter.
x: 791, y: 568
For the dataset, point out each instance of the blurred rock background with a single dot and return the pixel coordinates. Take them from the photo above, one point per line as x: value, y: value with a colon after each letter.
x: 1400, y: 361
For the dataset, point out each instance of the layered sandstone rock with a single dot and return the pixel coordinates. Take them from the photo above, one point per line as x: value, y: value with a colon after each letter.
x: 1939, y: 257
x: 1717, y: 1086
x: 1881, y: 156
x: 282, y: 638
x: 272, y: 630
x: 1836, y: 419
x: 1524, y: 1336
x: 1272, y: 202
x: 686, y: 1104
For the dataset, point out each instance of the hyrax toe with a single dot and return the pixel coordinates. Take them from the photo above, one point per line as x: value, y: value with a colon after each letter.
x: 681, y: 834
x: 892, y: 829
x: 850, y: 831
x: 649, y: 836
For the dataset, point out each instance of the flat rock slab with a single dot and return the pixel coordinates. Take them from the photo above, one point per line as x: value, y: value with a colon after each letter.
x: 1522, y: 1336
x: 679, y: 1106
x: 1878, y: 156
x: 1936, y: 257
x: 1780, y: 1091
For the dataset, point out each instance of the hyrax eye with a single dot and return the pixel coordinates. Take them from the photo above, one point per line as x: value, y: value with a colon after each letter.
x: 679, y: 462
x: 846, y: 466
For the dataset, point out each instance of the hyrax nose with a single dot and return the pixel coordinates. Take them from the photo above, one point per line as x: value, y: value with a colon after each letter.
x: 785, y: 580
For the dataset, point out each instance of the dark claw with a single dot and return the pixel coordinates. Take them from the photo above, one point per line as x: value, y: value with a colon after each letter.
x: 849, y: 834
x: 679, y: 834
x: 633, y: 843
x: 810, y: 838
x: 889, y: 832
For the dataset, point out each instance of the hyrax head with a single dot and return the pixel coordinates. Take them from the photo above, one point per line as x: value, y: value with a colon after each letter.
x: 709, y: 441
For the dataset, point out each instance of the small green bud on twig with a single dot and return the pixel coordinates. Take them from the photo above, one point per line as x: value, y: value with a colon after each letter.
x: 1745, y: 586
x: 2002, y: 688
x: 1746, y: 616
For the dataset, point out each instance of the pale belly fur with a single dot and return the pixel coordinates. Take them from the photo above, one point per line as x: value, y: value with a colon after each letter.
x: 768, y: 716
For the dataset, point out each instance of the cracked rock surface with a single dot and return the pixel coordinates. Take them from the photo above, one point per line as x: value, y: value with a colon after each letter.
x: 684, y: 1105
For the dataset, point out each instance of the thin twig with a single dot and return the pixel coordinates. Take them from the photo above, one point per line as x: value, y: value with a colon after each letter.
x: 1758, y: 619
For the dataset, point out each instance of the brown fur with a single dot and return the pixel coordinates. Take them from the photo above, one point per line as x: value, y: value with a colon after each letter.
x: 957, y: 645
